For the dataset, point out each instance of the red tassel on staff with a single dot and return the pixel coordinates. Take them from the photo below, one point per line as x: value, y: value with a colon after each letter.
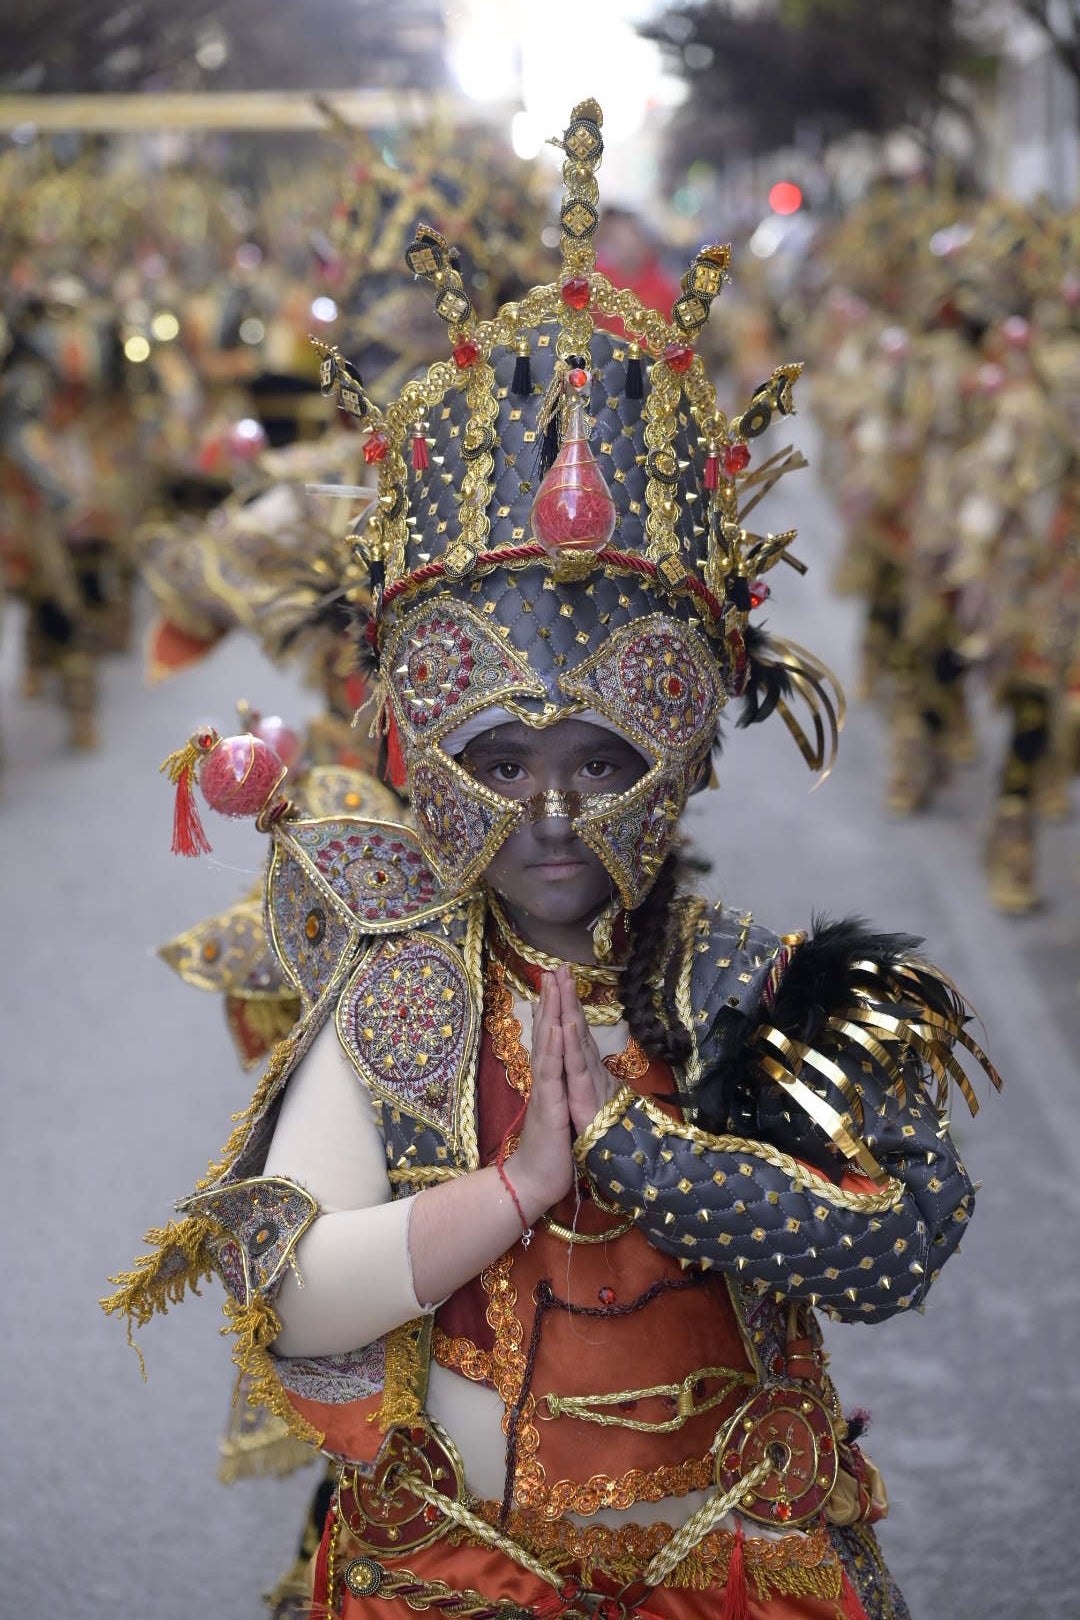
x: 189, y: 836
x: 419, y: 450
x: 395, y: 760
x: 736, y: 1605
x: 850, y: 1603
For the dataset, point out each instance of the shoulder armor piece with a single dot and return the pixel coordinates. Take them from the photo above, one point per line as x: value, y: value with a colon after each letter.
x: 331, y: 881
x: 409, y: 1019
x: 262, y: 1220
x: 732, y: 963
x: 341, y: 790
x: 227, y: 952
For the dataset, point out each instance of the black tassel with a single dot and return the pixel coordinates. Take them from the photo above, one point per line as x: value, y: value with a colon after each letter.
x: 635, y: 380
x: 549, y: 447
x: 521, y: 387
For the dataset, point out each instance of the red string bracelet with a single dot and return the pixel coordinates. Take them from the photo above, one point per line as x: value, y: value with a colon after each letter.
x: 500, y: 1165
x: 526, y: 1229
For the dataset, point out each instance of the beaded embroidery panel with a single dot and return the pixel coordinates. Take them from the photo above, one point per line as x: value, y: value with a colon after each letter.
x: 461, y: 822
x: 335, y: 1380
x: 409, y: 1022
x: 376, y: 870
x: 265, y: 1216
x: 656, y: 681
x: 445, y: 663
x: 308, y: 929
x: 632, y: 832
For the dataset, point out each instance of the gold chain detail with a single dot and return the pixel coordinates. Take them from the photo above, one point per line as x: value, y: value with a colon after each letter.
x: 462, y: 1356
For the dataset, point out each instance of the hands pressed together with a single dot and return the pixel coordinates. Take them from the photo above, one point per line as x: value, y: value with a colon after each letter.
x: 569, y: 1085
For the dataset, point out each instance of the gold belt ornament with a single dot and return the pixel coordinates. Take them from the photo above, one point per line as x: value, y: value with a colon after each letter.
x: 683, y: 1394
x: 790, y: 1430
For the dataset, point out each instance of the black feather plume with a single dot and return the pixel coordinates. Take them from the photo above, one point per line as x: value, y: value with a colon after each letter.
x: 767, y: 682
x: 817, y: 984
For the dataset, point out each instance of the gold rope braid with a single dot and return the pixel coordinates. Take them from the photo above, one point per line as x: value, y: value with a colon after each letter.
x: 803, y: 1563
x: 486, y: 1533
x: 365, y: 1578
x: 681, y: 1394
x: 699, y: 1524
x: 583, y: 972
x: 688, y: 931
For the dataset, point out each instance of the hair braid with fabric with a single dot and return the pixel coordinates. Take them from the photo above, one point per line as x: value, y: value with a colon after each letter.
x: 656, y: 1028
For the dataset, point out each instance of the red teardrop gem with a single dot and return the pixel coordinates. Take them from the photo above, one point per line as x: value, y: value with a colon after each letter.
x: 759, y: 593
x: 576, y: 292
x: 606, y: 1296
x: 577, y: 377
x: 376, y: 447
x: 679, y: 356
x: 573, y: 509
x: 466, y: 354
x: 736, y: 459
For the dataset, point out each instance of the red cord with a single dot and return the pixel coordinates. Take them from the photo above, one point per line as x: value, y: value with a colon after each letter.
x: 500, y: 1165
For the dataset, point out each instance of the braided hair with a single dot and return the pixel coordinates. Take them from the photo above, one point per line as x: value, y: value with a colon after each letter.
x: 652, y: 1017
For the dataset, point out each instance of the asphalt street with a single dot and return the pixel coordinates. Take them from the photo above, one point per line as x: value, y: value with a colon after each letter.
x: 118, y: 1083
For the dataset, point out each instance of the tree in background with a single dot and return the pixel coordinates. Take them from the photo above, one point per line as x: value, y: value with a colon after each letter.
x: 791, y: 72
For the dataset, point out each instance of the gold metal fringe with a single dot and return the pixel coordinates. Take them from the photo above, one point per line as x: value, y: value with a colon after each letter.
x: 254, y: 1327
x: 156, y: 1281
x: 408, y: 1351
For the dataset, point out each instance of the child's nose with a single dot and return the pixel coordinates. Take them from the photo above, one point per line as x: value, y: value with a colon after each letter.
x: 552, y: 813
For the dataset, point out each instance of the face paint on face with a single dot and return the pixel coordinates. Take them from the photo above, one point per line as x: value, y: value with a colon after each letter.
x: 553, y: 885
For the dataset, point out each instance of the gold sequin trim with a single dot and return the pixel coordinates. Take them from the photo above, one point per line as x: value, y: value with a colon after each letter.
x: 794, y: 1565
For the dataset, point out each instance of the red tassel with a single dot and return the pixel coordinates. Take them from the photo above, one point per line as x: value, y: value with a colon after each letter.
x: 736, y: 1605
x: 850, y: 1604
x: 188, y: 835
x: 320, y: 1593
x: 395, y: 772
x: 419, y: 451
x: 712, y: 470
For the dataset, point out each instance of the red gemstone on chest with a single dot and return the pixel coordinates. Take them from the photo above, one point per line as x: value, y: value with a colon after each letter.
x: 376, y: 447
x: 466, y: 354
x: 607, y: 1296
x: 736, y: 458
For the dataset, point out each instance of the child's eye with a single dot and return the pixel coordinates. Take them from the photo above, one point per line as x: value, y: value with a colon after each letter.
x: 508, y: 770
x: 597, y: 769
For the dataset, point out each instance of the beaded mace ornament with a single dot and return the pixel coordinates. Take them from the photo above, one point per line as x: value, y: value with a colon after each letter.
x: 572, y: 539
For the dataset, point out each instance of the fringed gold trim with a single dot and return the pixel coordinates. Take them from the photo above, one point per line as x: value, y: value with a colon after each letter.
x: 255, y: 1326
x: 181, y: 1260
x: 280, y: 1061
x: 272, y: 1453
x: 408, y: 1350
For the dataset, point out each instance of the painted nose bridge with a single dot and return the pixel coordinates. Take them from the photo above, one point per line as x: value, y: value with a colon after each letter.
x: 553, y: 805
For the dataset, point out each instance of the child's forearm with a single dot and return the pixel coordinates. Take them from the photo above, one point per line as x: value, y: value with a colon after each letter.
x: 461, y: 1226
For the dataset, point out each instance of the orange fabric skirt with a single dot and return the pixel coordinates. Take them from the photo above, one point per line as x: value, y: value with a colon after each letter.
x: 770, y: 1594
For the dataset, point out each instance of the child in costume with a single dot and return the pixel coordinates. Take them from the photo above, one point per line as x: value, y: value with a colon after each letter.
x: 557, y: 1318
